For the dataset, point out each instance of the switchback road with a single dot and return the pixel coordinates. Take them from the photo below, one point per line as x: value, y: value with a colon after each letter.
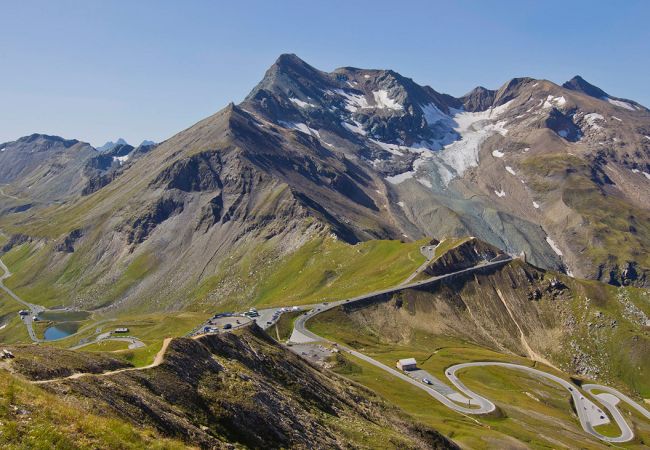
x: 464, y: 400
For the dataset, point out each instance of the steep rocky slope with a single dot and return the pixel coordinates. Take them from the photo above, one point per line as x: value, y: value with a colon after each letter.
x: 43, y: 168
x: 577, y: 326
x: 468, y: 253
x: 32, y: 418
x: 504, y: 165
x: 246, y: 390
x: 558, y: 173
x: 223, y: 185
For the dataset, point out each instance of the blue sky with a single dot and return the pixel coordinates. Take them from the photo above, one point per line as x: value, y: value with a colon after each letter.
x: 96, y: 70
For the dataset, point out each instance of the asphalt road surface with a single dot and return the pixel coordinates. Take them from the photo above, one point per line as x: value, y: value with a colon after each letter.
x: 301, y: 334
x: 465, y: 401
x: 34, y: 310
x: 133, y: 341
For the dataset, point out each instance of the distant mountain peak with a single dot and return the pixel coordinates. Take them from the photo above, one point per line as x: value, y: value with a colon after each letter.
x: 286, y: 59
x: 478, y: 99
x: 579, y: 84
x: 110, y: 145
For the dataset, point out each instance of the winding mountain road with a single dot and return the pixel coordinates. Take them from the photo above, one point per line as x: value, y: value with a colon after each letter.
x: 34, y: 310
x: 302, y: 335
x: 464, y: 400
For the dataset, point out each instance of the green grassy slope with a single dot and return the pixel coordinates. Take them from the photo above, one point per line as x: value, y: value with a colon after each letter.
x: 31, y: 418
x: 327, y: 269
x: 532, y: 412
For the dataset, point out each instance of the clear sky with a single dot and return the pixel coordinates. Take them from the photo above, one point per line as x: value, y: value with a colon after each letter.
x: 99, y: 70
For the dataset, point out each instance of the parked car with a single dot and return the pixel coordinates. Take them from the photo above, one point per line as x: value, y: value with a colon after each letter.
x: 227, y: 326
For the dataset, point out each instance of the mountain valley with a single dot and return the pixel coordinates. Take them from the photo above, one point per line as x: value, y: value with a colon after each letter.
x: 510, y: 225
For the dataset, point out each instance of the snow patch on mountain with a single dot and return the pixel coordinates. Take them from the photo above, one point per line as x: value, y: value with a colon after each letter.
x: 591, y: 119
x: 391, y: 148
x: 620, y: 104
x: 554, y: 101
x: 301, y: 103
x: 382, y: 100
x: 510, y: 170
x: 498, y: 154
x: 302, y: 127
x: 432, y: 114
x: 121, y: 159
x: 354, y: 127
x: 554, y: 246
x: 474, y: 128
x: 500, y: 193
x: 353, y: 102
x: 536, y: 205
x: 417, y: 164
x: 616, y: 118
x: 399, y: 178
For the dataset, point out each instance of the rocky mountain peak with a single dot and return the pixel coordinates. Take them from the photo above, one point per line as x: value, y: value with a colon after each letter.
x: 512, y: 89
x: 579, y: 84
x: 478, y: 99
x: 290, y: 77
x: 350, y: 102
x: 291, y: 60
x: 46, y: 140
x: 110, y: 145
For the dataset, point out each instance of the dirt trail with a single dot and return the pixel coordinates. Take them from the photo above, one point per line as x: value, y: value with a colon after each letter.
x: 4, y: 194
x: 160, y: 357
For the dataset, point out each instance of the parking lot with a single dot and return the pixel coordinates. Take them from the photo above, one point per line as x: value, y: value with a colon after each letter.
x: 224, y: 323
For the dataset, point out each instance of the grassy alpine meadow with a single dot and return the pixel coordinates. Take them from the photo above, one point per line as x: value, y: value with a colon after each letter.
x: 31, y: 418
x: 326, y: 269
x: 541, y: 406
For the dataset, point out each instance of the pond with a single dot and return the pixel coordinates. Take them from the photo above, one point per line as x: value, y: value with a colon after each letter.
x: 60, y: 330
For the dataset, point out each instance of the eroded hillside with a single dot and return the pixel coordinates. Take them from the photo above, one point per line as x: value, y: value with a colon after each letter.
x: 576, y: 326
x: 244, y: 389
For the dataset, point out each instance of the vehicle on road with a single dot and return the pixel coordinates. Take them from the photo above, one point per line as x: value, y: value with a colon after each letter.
x: 426, y: 381
x: 227, y: 326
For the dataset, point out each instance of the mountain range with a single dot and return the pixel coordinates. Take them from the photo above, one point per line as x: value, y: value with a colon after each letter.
x: 317, y: 187
x: 559, y: 174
